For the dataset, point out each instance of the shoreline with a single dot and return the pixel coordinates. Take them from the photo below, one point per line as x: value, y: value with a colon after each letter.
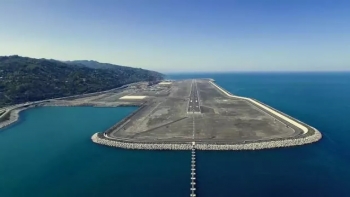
x: 11, y: 116
x: 13, y: 110
x: 309, y: 135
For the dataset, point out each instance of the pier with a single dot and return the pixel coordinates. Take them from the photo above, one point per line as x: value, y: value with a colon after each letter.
x: 193, y: 171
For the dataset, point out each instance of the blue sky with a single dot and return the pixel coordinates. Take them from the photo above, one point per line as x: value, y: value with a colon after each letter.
x: 182, y: 35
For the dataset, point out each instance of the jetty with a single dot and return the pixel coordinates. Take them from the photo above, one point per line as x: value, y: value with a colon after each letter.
x: 193, y: 171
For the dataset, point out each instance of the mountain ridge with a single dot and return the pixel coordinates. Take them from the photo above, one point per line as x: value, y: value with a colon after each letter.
x: 95, y: 64
x: 24, y: 79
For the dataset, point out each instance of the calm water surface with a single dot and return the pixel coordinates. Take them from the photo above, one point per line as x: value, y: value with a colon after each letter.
x: 49, y: 152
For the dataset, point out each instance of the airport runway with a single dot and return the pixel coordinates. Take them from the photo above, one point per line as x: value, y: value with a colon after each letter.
x: 193, y: 105
x: 213, y: 117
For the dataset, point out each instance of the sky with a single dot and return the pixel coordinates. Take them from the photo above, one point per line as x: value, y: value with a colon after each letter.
x: 182, y: 35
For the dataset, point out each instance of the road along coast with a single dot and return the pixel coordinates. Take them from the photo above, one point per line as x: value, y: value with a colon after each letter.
x: 209, y: 116
x: 107, y: 98
x: 11, y: 115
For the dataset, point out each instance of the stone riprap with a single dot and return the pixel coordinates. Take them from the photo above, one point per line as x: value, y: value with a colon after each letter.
x: 8, y: 118
x: 99, y: 138
x: 11, y: 116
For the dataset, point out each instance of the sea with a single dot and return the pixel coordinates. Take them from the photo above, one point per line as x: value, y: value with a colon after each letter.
x: 48, y: 152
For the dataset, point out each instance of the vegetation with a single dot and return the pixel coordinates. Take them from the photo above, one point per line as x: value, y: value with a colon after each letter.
x: 25, y: 79
x: 96, y: 65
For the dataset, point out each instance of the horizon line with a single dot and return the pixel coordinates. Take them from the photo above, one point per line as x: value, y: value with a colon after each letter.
x: 271, y: 71
x: 191, y: 72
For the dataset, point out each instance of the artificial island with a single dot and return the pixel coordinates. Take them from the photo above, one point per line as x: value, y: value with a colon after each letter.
x: 177, y: 115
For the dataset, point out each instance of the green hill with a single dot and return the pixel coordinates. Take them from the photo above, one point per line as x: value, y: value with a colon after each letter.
x: 97, y: 65
x: 25, y: 79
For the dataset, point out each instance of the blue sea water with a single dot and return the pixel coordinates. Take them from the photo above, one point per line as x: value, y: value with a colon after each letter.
x: 49, y: 152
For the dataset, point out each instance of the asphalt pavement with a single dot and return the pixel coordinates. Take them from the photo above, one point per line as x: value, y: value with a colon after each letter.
x: 193, y: 103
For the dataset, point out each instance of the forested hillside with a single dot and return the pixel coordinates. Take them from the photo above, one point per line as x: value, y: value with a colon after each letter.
x: 97, y: 65
x: 25, y: 79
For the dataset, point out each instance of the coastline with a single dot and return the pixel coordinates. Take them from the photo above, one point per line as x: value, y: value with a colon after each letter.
x: 12, y: 115
x: 9, y: 117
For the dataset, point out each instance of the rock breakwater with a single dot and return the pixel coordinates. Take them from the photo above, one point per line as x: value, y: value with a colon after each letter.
x: 10, y: 116
x: 99, y: 138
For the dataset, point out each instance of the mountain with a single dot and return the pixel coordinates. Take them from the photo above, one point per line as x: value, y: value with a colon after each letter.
x: 25, y: 79
x: 96, y: 65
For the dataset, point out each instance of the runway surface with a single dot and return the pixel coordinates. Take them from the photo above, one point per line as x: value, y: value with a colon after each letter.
x: 193, y: 105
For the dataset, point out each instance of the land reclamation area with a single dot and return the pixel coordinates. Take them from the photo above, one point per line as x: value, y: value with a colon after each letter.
x: 220, y: 119
x: 199, y: 111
